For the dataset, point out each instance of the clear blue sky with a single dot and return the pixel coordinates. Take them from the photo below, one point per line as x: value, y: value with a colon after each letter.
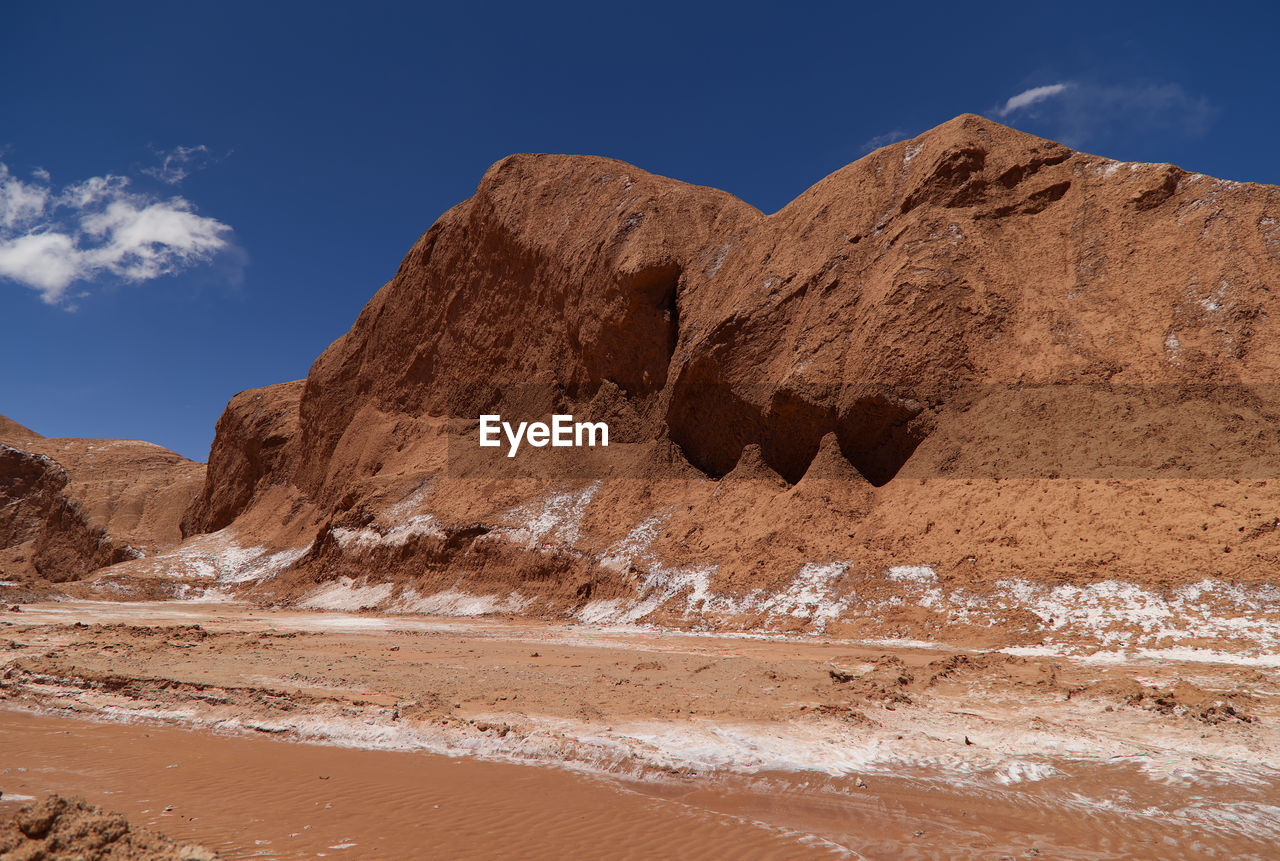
x: 198, y: 198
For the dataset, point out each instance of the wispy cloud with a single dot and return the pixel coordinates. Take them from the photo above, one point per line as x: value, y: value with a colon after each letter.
x: 1075, y: 112
x: 52, y: 238
x: 1027, y: 98
x: 178, y: 163
x: 889, y: 137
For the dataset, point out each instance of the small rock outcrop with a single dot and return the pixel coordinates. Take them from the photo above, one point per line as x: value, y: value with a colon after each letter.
x: 70, y: 829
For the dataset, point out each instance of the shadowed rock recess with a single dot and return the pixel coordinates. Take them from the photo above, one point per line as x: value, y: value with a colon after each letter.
x: 964, y: 351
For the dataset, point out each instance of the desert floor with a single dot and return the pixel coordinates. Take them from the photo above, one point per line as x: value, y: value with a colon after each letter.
x: 287, y: 734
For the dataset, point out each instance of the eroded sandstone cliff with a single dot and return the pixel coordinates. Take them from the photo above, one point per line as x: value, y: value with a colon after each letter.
x: 967, y: 360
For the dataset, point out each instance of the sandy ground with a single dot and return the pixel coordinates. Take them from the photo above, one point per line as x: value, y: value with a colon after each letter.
x: 879, y: 749
x: 261, y: 798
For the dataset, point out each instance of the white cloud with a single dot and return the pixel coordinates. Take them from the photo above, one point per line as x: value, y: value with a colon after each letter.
x: 94, y: 190
x: 883, y: 140
x: 1026, y: 98
x: 178, y: 163
x: 157, y: 239
x: 1078, y: 111
x: 20, y: 202
x: 51, y: 238
x: 45, y: 261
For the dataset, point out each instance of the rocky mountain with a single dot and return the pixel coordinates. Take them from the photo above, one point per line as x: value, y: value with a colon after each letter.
x: 968, y: 360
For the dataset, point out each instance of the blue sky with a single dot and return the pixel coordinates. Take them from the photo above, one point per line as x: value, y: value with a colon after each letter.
x: 198, y: 198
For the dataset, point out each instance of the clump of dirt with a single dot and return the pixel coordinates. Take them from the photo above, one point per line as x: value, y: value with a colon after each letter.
x: 886, y: 682
x: 838, y: 712
x: 185, y: 633
x: 28, y: 592
x: 1182, y: 700
x: 69, y: 828
x: 992, y: 667
x: 889, y: 681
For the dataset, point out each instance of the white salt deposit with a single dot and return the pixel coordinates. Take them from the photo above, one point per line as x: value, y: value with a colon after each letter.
x: 909, y: 154
x: 344, y: 594
x: 810, y: 595
x: 452, y: 602
x: 920, y: 575
x: 551, y: 523
x: 221, y: 557
x: 368, y: 537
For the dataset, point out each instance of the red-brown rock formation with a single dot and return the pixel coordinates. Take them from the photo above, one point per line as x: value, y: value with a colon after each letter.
x: 71, y: 506
x: 251, y: 445
x: 976, y: 350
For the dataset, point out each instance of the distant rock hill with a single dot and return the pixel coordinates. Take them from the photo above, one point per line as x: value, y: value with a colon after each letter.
x: 977, y: 353
x: 71, y: 506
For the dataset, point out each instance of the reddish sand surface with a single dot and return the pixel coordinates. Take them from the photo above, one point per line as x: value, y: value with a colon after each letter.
x: 572, y: 741
x: 255, y: 798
